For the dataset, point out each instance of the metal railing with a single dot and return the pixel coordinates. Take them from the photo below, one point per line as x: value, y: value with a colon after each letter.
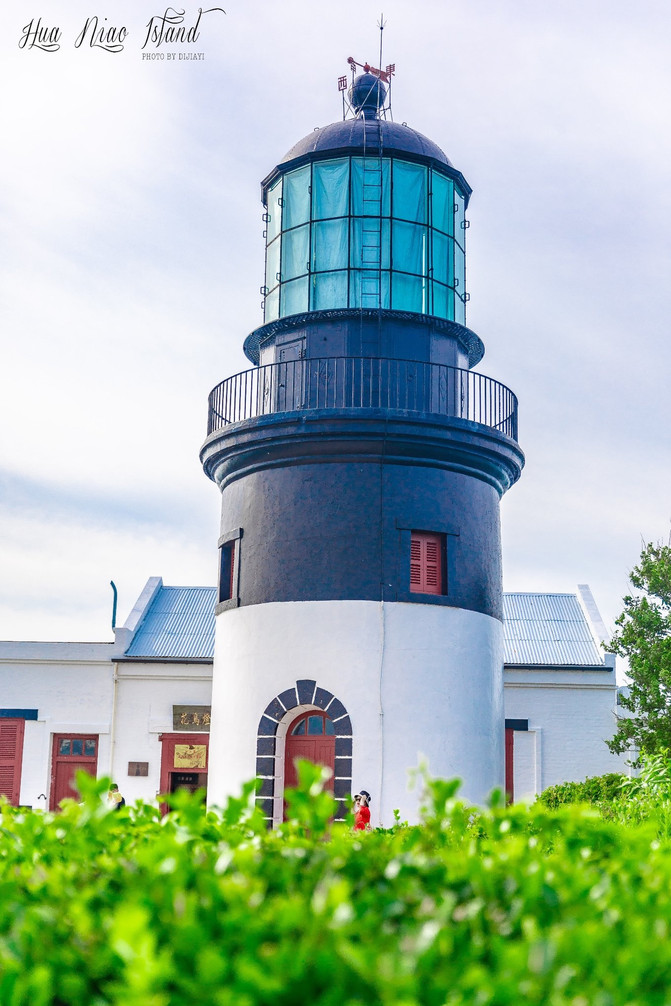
x: 363, y: 383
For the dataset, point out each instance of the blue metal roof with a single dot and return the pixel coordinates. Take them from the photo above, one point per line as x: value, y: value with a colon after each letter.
x: 548, y: 630
x: 179, y: 624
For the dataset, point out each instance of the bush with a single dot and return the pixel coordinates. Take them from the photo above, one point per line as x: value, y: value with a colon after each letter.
x: 647, y: 796
x: 503, y: 906
x: 599, y: 790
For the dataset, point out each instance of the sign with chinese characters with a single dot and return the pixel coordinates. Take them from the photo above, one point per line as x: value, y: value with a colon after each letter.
x: 190, y: 755
x: 191, y: 718
x: 138, y: 768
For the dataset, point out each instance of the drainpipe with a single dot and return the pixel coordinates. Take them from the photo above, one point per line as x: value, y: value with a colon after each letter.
x: 113, y: 586
x: 383, y: 637
x: 115, y: 682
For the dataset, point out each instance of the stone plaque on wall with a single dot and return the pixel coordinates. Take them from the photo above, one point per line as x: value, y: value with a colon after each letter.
x: 192, y: 718
x: 138, y: 768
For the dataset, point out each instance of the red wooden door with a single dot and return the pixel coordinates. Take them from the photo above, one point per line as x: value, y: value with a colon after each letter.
x: 11, y: 755
x: 510, y: 748
x: 71, y: 753
x: 184, y: 762
x: 310, y: 736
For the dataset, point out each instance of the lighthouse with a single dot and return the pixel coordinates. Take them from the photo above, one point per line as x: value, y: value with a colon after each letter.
x: 361, y: 461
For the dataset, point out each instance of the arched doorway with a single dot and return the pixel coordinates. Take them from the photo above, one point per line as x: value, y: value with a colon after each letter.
x: 279, y: 718
x: 311, y: 735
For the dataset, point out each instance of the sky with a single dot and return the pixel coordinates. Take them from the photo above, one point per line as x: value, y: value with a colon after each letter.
x: 131, y: 256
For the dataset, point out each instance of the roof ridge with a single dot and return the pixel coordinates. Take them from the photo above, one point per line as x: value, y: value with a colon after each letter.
x: 538, y: 593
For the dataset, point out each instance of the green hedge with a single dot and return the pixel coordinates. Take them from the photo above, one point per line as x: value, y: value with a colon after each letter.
x: 508, y: 906
x: 599, y: 790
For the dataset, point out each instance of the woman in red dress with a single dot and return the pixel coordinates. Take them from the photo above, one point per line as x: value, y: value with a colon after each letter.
x: 362, y: 811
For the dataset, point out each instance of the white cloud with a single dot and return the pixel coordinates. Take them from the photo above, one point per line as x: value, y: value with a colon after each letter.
x: 132, y: 259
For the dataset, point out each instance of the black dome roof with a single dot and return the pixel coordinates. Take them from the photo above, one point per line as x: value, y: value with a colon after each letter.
x: 351, y: 133
x: 353, y: 136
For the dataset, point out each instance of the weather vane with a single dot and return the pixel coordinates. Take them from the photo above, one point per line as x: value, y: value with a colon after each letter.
x: 383, y: 75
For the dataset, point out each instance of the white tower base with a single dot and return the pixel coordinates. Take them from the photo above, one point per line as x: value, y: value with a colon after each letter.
x: 379, y: 660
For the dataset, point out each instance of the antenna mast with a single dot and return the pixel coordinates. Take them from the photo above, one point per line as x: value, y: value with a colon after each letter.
x: 380, y: 25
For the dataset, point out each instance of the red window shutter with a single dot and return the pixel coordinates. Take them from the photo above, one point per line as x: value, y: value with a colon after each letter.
x: 11, y: 752
x: 415, y: 564
x: 426, y: 562
x: 432, y: 565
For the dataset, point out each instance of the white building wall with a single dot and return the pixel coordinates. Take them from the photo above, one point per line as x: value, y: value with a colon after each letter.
x: 439, y: 662
x: 78, y: 688
x: 70, y: 685
x: 145, y: 695
x: 419, y: 681
x: 571, y: 714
